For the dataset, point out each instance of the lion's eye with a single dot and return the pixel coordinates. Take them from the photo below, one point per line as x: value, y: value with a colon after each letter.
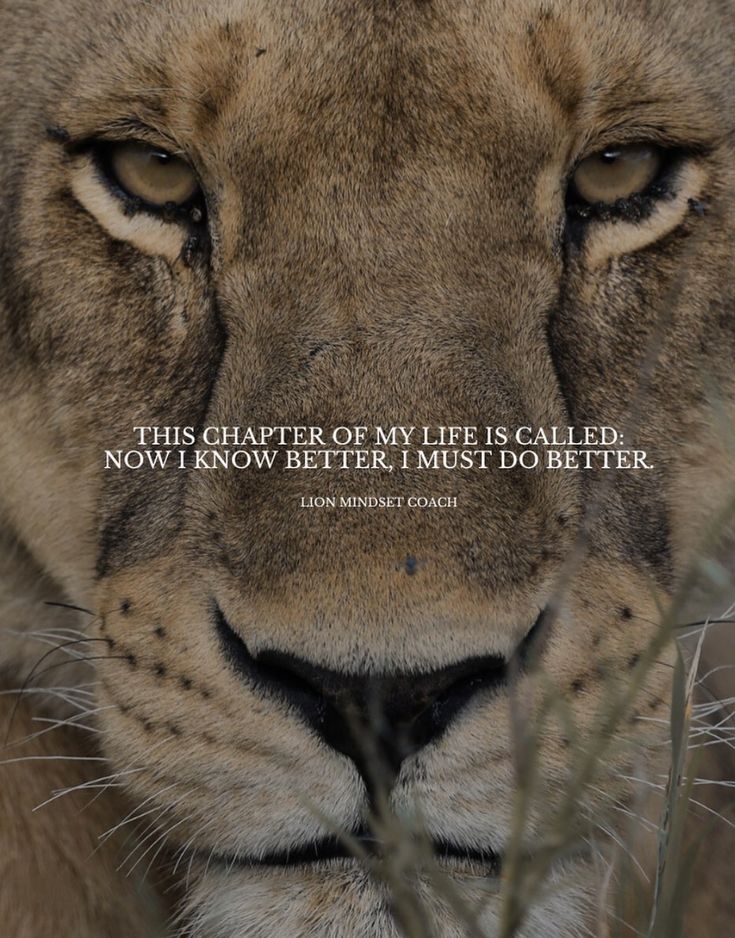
x: 618, y: 173
x: 150, y: 174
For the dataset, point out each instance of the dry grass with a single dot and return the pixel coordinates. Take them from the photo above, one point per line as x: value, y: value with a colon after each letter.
x: 635, y: 897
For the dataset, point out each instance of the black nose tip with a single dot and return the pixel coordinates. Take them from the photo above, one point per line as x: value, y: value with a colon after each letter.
x: 377, y: 720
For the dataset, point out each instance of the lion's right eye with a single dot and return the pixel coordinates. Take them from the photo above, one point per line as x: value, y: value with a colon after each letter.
x: 150, y: 174
x: 617, y: 173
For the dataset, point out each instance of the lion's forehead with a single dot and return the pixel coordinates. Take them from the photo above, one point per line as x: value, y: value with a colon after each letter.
x: 248, y: 82
x: 365, y: 125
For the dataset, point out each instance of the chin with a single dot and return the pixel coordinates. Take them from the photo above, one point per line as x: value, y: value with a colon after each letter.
x: 341, y: 899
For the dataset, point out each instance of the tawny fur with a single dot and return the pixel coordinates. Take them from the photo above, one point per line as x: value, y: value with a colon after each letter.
x: 57, y: 877
x: 386, y: 245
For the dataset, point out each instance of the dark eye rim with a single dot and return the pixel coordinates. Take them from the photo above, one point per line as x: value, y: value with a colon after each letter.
x: 637, y: 207
x: 191, y: 213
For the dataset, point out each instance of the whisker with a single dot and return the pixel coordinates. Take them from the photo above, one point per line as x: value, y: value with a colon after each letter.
x: 82, y: 786
x: 35, y: 673
x: 60, y: 605
x: 162, y: 841
x: 53, y: 759
x: 130, y: 818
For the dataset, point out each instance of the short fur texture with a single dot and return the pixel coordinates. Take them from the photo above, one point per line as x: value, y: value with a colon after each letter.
x: 386, y: 244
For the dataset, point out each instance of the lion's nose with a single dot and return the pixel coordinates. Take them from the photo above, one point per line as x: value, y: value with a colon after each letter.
x: 376, y: 720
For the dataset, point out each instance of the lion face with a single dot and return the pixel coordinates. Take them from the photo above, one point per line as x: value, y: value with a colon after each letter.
x: 381, y: 231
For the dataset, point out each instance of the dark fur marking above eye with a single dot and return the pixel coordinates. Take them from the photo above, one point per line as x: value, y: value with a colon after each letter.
x: 125, y: 607
x: 58, y: 133
x: 160, y: 669
x: 626, y: 613
x: 131, y: 660
x: 160, y: 631
x: 186, y: 683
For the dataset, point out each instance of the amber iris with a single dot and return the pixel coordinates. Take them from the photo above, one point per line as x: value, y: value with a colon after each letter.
x: 152, y: 174
x: 617, y: 173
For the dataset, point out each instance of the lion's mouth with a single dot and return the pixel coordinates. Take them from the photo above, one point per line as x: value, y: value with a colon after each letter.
x: 358, y: 846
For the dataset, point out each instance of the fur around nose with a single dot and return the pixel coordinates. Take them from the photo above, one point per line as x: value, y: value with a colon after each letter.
x: 375, y: 719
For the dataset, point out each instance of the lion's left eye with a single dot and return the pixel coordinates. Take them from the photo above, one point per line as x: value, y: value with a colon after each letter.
x: 617, y: 173
x: 150, y: 174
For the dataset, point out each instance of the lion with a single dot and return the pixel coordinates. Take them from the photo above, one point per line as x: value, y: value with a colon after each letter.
x: 430, y: 213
